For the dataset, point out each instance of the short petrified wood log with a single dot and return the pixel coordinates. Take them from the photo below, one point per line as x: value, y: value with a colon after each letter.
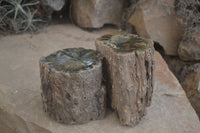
x: 71, y: 86
x: 128, y: 67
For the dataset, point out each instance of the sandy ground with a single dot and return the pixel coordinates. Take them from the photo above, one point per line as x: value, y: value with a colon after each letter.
x: 20, y: 84
x: 20, y: 54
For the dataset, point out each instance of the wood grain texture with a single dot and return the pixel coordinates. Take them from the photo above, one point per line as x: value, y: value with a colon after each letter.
x: 128, y: 74
x: 73, y: 97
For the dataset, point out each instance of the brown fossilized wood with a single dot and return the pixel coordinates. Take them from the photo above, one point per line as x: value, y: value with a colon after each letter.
x: 128, y: 68
x: 71, y: 86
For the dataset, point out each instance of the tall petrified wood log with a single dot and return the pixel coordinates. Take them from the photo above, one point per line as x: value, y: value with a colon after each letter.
x: 71, y: 85
x: 128, y: 67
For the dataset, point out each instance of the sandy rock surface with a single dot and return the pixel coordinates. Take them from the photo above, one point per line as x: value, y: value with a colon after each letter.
x: 170, y: 111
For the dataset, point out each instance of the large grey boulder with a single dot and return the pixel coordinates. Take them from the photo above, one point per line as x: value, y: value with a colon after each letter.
x: 189, y: 48
x: 55, y: 5
x: 96, y: 13
x: 188, y: 13
x: 156, y: 19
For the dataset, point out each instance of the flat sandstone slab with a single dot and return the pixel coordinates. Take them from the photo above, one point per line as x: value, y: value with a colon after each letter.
x: 170, y: 111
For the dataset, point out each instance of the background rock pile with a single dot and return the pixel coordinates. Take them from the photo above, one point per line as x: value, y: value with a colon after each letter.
x: 174, y: 25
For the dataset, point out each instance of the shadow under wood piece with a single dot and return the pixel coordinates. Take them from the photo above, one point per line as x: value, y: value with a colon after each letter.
x: 71, y: 86
x: 128, y: 71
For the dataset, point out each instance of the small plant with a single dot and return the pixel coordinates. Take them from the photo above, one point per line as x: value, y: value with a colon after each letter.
x: 18, y: 16
x: 30, y: 21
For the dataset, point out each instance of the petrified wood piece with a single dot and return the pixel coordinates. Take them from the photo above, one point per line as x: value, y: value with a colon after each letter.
x: 71, y: 86
x: 128, y: 68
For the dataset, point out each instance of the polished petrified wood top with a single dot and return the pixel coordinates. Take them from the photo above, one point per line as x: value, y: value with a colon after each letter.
x: 126, y: 42
x: 71, y: 59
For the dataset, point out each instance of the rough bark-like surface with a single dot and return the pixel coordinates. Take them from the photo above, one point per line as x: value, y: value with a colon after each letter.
x: 73, y: 93
x: 129, y: 62
x: 96, y: 13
